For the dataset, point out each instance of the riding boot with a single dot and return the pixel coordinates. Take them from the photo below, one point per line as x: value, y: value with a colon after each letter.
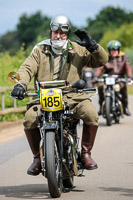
x: 33, y: 137
x: 88, y: 137
x: 125, y: 106
x: 126, y: 111
x: 124, y: 93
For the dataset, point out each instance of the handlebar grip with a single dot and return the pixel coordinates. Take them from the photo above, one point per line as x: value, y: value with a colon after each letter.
x: 89, y: 89
x: 26, y: 94
x: 30, y: 94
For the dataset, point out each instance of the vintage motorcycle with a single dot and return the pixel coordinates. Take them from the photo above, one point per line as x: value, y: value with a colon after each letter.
x: 112, y: 107
x: 59, y: 151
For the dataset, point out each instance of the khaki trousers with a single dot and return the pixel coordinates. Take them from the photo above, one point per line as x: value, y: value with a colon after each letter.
x: 80, y: 104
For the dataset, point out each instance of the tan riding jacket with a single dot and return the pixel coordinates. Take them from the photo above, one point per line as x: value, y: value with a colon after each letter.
x: 40, y: 63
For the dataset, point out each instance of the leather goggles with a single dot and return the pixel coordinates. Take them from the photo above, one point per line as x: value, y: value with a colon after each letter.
x: 64, y: 27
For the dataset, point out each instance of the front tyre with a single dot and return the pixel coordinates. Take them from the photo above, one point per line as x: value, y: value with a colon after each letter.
x: 53, y: 166
x: 108, y: 111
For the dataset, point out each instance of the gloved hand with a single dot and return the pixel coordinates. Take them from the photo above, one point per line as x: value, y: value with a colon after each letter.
x: 129, y: 79
x: 95, y: 79
x: 18, y: 91
x: 86, y: 40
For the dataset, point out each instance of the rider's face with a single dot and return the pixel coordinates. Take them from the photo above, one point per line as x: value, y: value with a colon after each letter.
x: 114, y: 52
x: 59, y: 35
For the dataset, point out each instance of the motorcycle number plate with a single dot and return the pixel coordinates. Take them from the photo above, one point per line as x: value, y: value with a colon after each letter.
x: 110, y: 81
x: 51, y: 99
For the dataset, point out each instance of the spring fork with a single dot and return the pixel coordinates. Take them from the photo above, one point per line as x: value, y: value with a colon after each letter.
x: 61, y: 136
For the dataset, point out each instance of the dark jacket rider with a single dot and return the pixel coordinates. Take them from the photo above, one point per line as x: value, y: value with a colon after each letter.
x: 118, y: 64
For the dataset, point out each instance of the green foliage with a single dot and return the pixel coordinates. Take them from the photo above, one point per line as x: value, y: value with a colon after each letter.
x: 9, y: 42
x: 108, y: 18
x: 130, y: 89
x: 124, y: 34
x: 129, y: 53
x: 10, y: 63
x: 29, y: 27
x: 12, y: 117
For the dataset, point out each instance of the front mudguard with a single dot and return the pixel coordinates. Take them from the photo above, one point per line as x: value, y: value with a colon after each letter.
x: 53, y: 125
x: 107, y: 94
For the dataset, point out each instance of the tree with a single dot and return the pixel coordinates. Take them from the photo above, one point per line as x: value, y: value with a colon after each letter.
x: 124, y: 34
x: 9, y: 41
x: 29, y: 27
x: 108, y: 18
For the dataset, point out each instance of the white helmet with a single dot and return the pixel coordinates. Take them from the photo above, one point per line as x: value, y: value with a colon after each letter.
x: 62, y: 22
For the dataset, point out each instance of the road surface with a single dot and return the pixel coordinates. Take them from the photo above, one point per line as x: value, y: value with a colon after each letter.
x: 113, y: 151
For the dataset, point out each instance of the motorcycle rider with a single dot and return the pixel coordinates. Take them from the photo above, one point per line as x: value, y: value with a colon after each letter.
x: 60, y: 59
x: 118, y: 64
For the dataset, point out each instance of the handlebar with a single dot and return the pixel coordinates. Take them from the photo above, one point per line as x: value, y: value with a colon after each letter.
x: 26, y: 94
x: 34, y: 94
x: 117, y: 80
x: 80, y: 90
x: 30, y: 94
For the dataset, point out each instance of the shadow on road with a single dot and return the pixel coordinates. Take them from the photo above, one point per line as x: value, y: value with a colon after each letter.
x: 66, y: 190
x: 28, y: 191
x: 102, y: 124
x: 123, y: 191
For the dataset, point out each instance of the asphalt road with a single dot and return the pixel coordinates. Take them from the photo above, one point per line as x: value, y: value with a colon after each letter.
x: 113, y: 180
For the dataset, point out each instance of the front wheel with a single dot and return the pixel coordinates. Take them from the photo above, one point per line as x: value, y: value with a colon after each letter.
x: 108, y: 111
x: 53, y: 166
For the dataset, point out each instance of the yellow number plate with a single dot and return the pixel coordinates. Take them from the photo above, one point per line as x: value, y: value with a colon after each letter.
x: 51, y: 99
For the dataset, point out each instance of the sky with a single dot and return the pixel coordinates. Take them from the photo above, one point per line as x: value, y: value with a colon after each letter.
x: 77, y: 10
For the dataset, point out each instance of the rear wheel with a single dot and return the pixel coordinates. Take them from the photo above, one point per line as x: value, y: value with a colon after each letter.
x: 53, y: 166
x: 108, y: 111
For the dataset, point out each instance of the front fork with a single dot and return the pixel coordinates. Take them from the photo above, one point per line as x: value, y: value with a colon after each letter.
x: 60, y: 138
x: 111, y: 93
x: 47, y: 125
